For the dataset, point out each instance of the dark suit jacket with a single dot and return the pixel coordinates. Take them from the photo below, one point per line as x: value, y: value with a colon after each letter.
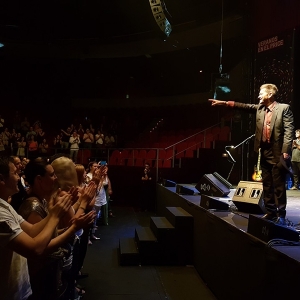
x: 281, y: 127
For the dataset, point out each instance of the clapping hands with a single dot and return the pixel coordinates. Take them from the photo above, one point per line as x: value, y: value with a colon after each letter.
x: 60, y: 204
x: 83, y: 220
x: 88, y: 192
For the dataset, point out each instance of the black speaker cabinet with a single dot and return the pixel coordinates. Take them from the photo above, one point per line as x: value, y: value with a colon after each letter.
x: 183, y: 190
x: 209, y: 202
x: 212, y: 186
x: 248, y: 197
x: 267, y: 230
x: 168, y: 183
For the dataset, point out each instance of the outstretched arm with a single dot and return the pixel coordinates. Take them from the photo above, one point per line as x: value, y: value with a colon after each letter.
x: 218, y: 102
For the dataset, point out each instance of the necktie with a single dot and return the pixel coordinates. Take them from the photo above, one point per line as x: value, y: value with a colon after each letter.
x: 266, y: 129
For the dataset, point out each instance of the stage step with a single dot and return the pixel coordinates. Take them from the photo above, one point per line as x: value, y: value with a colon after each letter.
x: 129, y: 254
x: 162, y: 228
x: 183, y: 223
x: 179, y: 218
x: 147, y: 245
x: 165, y: 234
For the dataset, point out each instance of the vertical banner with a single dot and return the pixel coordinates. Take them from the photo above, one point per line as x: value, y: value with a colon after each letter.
x: 274, y: 63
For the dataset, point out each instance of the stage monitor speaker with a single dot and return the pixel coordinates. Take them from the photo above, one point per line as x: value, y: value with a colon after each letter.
x: 223, y: 180
x: 212, y: 186
x: 168, y: 183
x: 209, y: 202
x: 183, y: 190
x: 248, y: 197
x: 267, y: 230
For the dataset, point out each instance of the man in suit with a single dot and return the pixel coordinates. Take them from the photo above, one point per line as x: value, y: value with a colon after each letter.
x: 274, y: 135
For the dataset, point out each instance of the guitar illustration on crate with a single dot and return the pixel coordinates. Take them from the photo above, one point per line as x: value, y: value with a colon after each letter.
x: 257, y: 171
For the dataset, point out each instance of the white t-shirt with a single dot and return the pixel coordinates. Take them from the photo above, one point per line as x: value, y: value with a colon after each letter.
x: 14, y: 283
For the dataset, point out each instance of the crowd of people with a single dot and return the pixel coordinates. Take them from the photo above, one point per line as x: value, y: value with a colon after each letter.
x: 50, y: 209
x: 26, y: 139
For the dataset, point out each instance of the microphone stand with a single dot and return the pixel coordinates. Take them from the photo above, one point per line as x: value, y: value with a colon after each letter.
x: 233, y: 161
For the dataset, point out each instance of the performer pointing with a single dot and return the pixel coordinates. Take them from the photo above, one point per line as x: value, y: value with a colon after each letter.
x: 274, y: 135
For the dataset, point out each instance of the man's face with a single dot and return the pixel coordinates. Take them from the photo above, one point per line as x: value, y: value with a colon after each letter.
x: 297, y: 134
x: 264, y: 96
x: 18, y: 164
x: 11, y: 182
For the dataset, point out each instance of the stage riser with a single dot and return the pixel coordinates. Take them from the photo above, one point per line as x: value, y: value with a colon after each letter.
x: 184, y: 228
x: 163, y: 230
x: 147, y: 245
x: 234, y: 264
x: 128, y: 252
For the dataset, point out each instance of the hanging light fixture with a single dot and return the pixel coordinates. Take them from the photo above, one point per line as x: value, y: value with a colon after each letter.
x: 159, y: 16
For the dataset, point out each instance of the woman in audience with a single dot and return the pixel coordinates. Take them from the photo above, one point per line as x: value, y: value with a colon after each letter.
x: 88, y: 139
x: 95, y: 171
x: 67, y: 180
x: 84, y: 239
x: 45, y: 273
x: 43, y: 148
x: 101, y: 200
x: 32, y: 147
x: 40, y: 135
x: 80, y: 132
x: 57, y: 143
x: 21, y: 147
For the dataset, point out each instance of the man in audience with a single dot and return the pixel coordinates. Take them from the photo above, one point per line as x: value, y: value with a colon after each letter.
x: 16, y: 199
x: 20, y: 239
x: 25, y: 125
x: 74, y: 146
x: 30, y: 133
x: 65, y: 136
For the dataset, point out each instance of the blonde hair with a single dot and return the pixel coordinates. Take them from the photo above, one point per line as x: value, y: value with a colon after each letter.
x: 65, y: 171
x: 271, y: 88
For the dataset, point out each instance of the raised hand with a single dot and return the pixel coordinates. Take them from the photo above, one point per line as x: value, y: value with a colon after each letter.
x: 98, y: 174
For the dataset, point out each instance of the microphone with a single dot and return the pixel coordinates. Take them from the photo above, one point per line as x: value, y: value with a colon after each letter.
x: 230, y: 147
